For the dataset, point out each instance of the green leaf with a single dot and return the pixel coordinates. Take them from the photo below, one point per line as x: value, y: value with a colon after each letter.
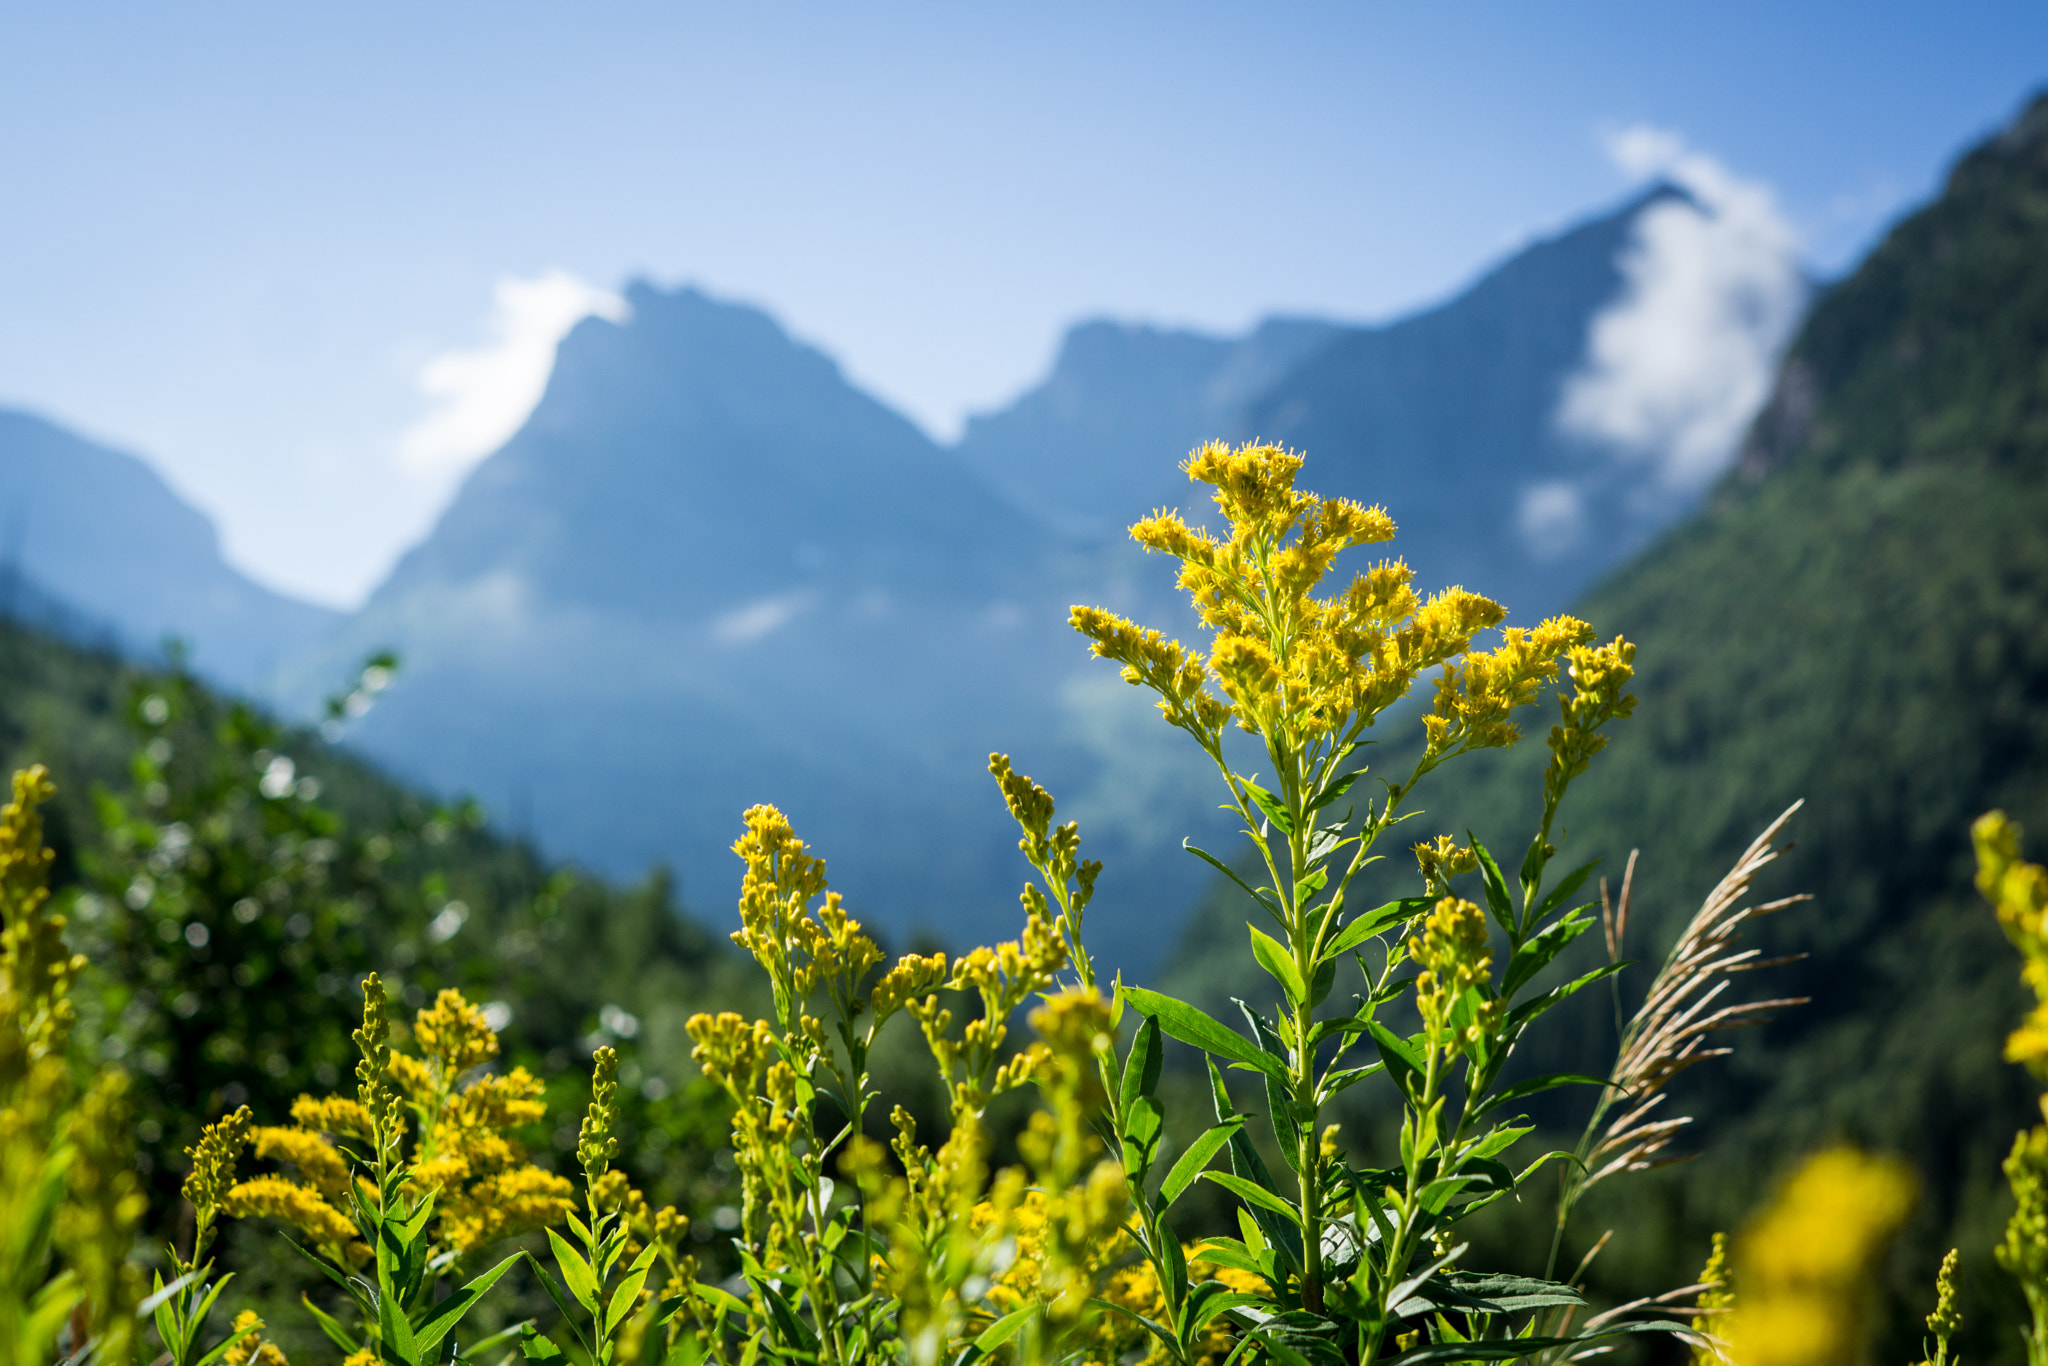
x: 1231, y: 1253
x: 1491, y: 1293
x: 1325, y: 978
x: 1533, y: 860
x: 576, y: 1273
x: 1190, y: 1163
x: 1142, y: 1066
x: 1156, y: 1329
x: 1519, y: 1018
x: 394, y: 1329
x: 1513, y: 1349
x: 225, y: 1344
x: 539, y: 1347
x: 1536, y: 953
x: 1281, y: 1234
x: 1265, y: 896
x: 1378, y: 921
x: 1251, y: 1193
x: 1536, y: 1084
x: 1173, y: 1269
x: 1496, y: 887
x: 1192, y: 1026
x: 1211, y: 1298
x: 1141, y: 1134
x: 332, y: 1327
x: 627, y: 1295
x: 795, y: 1332
x: 1401, y: 1059
x: 1279, y: 963
x: 1335, y: 791
x: 1276, y: 810
x: 450, y: 1311
x: 1560, y: 894
x: 561, y: 1299
x: 1003, y: 1329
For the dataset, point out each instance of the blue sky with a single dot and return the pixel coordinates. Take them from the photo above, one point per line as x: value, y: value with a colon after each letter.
x: 235, y: 238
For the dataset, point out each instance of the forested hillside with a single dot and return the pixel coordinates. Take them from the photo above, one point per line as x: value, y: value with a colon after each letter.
x: 233, y: 880
x: 1860, y: 619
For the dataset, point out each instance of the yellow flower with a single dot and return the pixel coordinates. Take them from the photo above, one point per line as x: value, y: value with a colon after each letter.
x: 455, y: 1034
x: 1452, y: 951
x: 253, y: 1349
x: 1946, y: 1320
x: 318, y: 1162
x: 1715, y: 1300
x: 213, y: 1161
x: 300, y: 1206
x: 505, y: 1205
x: 1804, y: 1267
x: 1442, y: 860
x: 337, y: 1115
x: 1300, y: 669
x: 2023, y: 1252
x: 2018, y: 892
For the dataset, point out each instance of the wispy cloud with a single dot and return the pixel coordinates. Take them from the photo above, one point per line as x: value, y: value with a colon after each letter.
x: 483, y: 394
x: 761, y: 618
x: 1680, y: 363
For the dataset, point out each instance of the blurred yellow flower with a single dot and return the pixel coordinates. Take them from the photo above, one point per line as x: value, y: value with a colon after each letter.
x: 1803, y: 1268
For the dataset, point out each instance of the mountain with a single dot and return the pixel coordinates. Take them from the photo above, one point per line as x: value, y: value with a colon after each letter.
x: 1092, y: 448
x: 1859, y: 618
x: 1450, y: 417
x: 95, y: 544
x: 710, y: 572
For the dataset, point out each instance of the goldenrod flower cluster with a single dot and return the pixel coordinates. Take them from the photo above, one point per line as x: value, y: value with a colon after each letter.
x: 1055, y: 851
x: 375, y: 1092
x: 1476, y: 693
x: 253, y: 1350
x: 1803, y: 1269
x: 464, y: 1150
x: 2019, y: 892
x: 2023, y: 1252
x: 1293, y: 667
x: 1084, y: 1202
x: 1441, y: 860
x: 1600, y: 677
x: 1119, y: 1338
x: 37, y: 969
x: 1715, y: 1300
x: 802, y: 950
x: 596, y: 1144
x: 1453, y: 952
x: 1946, y: 1320
x: 211, y: 1183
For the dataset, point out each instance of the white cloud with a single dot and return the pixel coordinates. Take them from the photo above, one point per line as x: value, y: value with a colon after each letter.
x: 1679, y: 364
x: 1551, y: 517
x: 762, y: 617
x: 483, y: 395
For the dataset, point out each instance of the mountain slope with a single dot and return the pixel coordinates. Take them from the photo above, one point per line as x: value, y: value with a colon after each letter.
x: 1092, y: 447
x: 1860, y: 618
x: 708, y: 573
x: 1448, y: 417
x: 101, y: 534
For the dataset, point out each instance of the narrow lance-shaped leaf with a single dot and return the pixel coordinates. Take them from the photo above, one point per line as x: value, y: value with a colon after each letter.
x: 1192, y: 1026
